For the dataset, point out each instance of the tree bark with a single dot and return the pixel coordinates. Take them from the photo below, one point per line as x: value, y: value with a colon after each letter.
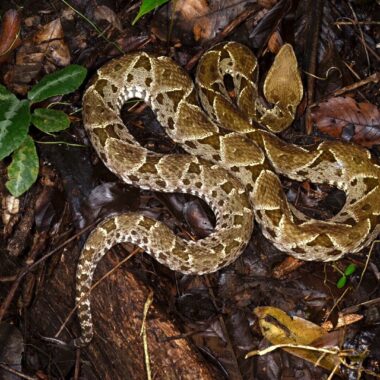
x: 116, y: 352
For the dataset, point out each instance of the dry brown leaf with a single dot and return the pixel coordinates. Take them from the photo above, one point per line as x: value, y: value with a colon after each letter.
x: 51, y: 31
x: 102, y: 12
x: 40, y: 53
x: 9, y: 34
x: 195, y: 12
x: 275, y: 42
x: 345, y: 118
x: 45, y: 45
x: 200, y: 20
x: 49, y: 40
x: 288, y: 265
x: 279, y: 328
x: 343, y: 321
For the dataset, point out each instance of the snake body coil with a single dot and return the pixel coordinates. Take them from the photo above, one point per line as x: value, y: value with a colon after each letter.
x: 232, y: 165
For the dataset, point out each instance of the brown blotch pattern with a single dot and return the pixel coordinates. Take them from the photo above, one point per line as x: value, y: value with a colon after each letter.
x: 143, y: 62
x: 166, y: 86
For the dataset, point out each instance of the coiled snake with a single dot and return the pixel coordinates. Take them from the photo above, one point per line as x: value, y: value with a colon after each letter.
x: 231, y: 164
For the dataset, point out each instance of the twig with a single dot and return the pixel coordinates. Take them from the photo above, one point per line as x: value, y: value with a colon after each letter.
x: 15, y: 372
x: 330, y: 350
x: 316, y: 12
x: 367, y: 261
x: 369, y: 49
x: 77, y: 365
x: 7, y: 278
x: 92, y: 288
x: 99, y: 31
x: 361, y: 34
x: 354, y: 22
x: 336, y: 303
x: 374, y: 78
x: 28, y: 268
x: 148, y: 302
x: 225, y: 331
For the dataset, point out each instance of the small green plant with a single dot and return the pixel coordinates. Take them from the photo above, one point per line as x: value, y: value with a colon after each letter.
x: 350, y: 269
x: 148, y: 6
x: 16, y: 116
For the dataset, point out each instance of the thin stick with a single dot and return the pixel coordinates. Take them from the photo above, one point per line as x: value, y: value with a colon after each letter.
x: 28, y: 268
x: 92, y: 288
x: 99, y: 31
x: 15, y: 372
x: 374, y: 78
x: 316, y: 12
x: 147, y: 304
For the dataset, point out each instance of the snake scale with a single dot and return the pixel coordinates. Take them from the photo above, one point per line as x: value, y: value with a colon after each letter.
x: 231, y: 164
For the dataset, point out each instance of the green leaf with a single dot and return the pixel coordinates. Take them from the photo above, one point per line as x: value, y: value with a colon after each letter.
x: 6, y: 100
x: 148, y: 6
x: 350, y: 269
x: 341, y: 282
x: 48, y: 120
x: 60, y: 82
x: 23, y: 170
x: 14, y: 122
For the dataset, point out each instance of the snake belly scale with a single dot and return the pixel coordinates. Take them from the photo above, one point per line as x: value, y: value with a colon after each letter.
x: 230, y: 164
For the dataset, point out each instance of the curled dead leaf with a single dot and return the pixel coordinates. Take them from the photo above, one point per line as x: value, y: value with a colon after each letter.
x: 102, y: 12
x: 49, y: 39
x: 343, y: 321
x: 9, y: 34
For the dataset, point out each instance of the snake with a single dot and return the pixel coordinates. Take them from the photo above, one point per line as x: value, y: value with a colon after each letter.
x: 233, y: 159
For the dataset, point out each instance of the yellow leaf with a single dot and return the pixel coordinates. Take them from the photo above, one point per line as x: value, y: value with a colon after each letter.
x: 281, y: 329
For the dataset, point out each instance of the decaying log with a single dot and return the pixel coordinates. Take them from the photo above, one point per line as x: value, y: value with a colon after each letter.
x: 116, y: 351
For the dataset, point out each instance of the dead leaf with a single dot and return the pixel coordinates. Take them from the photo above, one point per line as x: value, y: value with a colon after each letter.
x: 288, y: 265
x: 51, y: 31
x: 195, y: 12
x: 279, y: 328
x: 200, y: 20
x: 343, y: 321
x: 275, y: 42
x: 102, y: 12
x: 189, y: 10
x: 345, y: 118
x: 49, y: 40
x: 9, y: 34
x: 12, y: 348
x: 41, y: 53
